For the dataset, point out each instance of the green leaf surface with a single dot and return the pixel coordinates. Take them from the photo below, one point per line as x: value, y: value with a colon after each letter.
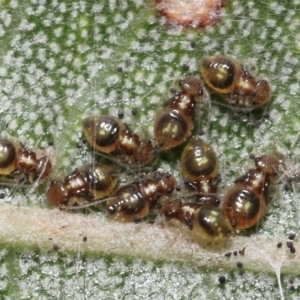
x: 61, y: 61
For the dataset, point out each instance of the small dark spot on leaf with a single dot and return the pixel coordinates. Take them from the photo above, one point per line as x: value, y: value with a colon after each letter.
x: 291, y: 280
x: 242, y: 252
x: 291, y: 236
x: 292, y: 288
x: 185, y: 67
x: 137, y: 219
x: 120, y: 113
x: 201, y: 132
x: 55, y: 247
x: 222, y: 279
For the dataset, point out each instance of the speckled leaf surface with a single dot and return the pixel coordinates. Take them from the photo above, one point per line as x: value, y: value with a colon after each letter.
x: 62, y: 60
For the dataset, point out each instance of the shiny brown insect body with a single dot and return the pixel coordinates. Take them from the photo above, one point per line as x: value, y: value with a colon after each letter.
x: 89, y: 182
x: 109, y: 135
x: 133, y: 202
x: 175, y: 120
x: 200, y: 166
x: 229, y: 79
x: 246, y: 202
x: 205, y: 222
x: 19, y: 162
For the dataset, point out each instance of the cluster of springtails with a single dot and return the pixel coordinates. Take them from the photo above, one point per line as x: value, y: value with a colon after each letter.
x: 96, y: 183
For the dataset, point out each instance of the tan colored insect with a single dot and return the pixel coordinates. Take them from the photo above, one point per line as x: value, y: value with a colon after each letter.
x: 228, y: 78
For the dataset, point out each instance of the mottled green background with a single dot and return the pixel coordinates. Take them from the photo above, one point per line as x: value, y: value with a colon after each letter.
x: 59, y: 61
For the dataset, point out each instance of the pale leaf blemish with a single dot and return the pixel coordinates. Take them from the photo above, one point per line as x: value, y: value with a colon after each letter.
x: 29, y: 228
